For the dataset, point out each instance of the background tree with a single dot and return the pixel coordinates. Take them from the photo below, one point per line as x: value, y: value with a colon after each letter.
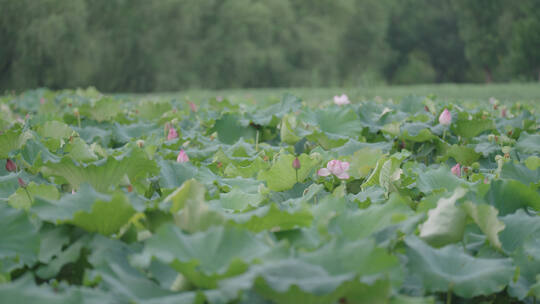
x: 479, y: 28
x: 526, y: 42
x: 425, y: 39
x: 168, y: 45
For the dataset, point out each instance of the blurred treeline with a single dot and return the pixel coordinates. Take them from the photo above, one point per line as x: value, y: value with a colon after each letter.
x: 167, y: 45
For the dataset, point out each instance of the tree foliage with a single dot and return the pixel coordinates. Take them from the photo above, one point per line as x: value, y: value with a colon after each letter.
x: 169, y: 45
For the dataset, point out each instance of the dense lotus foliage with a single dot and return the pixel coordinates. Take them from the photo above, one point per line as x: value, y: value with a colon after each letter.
x: 107, y: 199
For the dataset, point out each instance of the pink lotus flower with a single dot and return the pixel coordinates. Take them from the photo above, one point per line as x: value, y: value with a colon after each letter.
x: 172, y: 134
x: 42, y: 100
x: 445, y: 118
x: 182, y: 157
x: 503, y: 112
x: 192, y: 106
x: 341, y: 100
x: 336, y: 167
x: 456, y: 170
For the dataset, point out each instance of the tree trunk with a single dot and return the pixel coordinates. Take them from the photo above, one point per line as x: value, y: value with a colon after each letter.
x: 489, y: 76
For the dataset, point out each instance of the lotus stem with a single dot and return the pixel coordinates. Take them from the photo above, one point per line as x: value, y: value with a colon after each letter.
x: 28, y: 194
x: 257, y: 141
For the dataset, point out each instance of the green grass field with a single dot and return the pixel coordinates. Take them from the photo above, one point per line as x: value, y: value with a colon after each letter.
x: 527, y: 93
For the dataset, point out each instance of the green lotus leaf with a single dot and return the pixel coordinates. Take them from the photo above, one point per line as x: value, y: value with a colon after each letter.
x: 528, y: 143
x: 24, y: 290
x: 126, y: 284
x: 362, y: 223
x: 450, y: 269
x: 11, y: 140
x: 271, y: 116
x: 189, y: 208
x: 272, y: 217
x: 486, y: 148
x: 204, y: 258
x: 445, y: 223
x: 104, y: 173
x: 70, y: 255
x: 485, y: 216
x: 287, y: 131
x: 103, y: 110
x: 519, y: 172
x: 126, y: 133
x: 282, y: 176
x: 363, y: 161
x: 173, y: 174
x: 510, y: 195
x: 230, y: 131
x: 152, y: 109
x: 401, y: 299
x: 440, y: 178
x: 88, y: 209
x: 80, y: 151
x: 55, y: 129
x: 416, y: 132
x: 248, y: 171
x: 462, y: 154
x: 532, y: 162
x: 21, y: 198
x: 53, y: 239
x: 20, y: 238
x: 238, y: 200
x: 290, y: 281
x: 334, y: 120
x: 361, y: 256
x: 470, y: 127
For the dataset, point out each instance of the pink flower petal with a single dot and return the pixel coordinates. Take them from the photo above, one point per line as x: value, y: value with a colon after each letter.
x: 343, y: 175
x: 445, y: 118
x: 172, y: 134
x: 323, y: 172
x: 182, y: 157
x: 456, y: 170
x: 332, y: 165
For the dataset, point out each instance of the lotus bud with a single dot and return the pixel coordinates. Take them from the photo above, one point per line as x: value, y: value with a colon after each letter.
x: 456, y: 170
x: 11, y: 166
x: 182, y: 157
x: 192, y: 106
x: 296, y: 163
x: 445, y: 118
x: 21, y: 182
x: 172, y: 134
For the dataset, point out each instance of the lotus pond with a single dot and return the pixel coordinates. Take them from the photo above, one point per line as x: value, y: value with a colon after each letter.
x: 111, y: 199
